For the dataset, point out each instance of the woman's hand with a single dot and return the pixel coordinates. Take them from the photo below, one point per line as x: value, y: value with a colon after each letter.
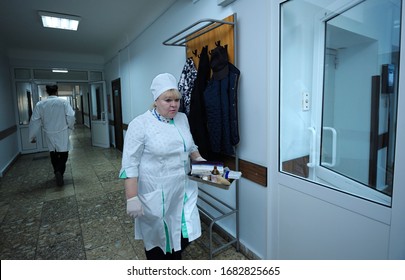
x: 196, y: 156
x: 134, y: 207
x: 200, y: 159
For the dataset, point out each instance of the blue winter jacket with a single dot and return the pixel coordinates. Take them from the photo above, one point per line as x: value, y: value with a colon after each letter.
x: 221, y: 106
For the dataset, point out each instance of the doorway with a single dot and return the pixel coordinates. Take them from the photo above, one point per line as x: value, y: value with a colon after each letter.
x: 100, y: 136
x: 330, y: 126
x: 319, y: 207
x: 118, y: 127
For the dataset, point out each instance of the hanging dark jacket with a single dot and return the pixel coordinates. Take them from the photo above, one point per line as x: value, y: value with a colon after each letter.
x: 221, y: 106
x: 197, y: 115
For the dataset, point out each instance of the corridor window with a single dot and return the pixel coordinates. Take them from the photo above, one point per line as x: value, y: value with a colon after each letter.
x: 339, y: 63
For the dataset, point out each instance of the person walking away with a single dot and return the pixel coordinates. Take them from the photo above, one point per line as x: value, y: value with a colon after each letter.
x: 156, y: 157
x: 57, y: 119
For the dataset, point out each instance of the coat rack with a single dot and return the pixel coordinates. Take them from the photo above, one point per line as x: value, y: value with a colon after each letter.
x: 211, y: 33
x: 206, y: 32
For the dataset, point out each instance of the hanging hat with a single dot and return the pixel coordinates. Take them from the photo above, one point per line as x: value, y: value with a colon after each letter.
x: 219, y: 63
x: 162, y: 83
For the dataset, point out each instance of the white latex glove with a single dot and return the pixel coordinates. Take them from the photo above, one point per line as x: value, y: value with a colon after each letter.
x: 200, y: 158
x: 134, y: 207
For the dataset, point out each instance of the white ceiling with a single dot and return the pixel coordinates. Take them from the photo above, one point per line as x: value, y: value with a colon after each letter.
x: 105, y: 26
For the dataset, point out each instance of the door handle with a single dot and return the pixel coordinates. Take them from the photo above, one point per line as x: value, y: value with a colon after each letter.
x: 312, y: 150
x: 334, y: 137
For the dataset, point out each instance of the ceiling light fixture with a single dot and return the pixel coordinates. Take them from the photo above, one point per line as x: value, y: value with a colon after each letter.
x: 61, y: 21
x: 60, y: 70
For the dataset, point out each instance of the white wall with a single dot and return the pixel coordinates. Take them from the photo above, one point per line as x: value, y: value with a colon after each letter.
x: 146, y: 57
x: 8, y: 146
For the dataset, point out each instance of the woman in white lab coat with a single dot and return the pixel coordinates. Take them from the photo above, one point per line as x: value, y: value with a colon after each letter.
x: 157, y: 148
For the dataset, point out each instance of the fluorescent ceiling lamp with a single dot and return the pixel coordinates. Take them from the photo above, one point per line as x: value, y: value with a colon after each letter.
x: 60, y: 70
x: 61, y: 21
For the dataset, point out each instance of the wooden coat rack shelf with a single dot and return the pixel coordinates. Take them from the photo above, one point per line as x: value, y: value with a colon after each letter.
x: 206, y: 32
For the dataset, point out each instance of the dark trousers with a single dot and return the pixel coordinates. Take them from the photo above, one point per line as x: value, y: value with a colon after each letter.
x: 59, y: 160
x: 157, y: 253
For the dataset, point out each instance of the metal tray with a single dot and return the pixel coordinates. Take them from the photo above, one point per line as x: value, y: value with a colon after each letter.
x: 199, y: 180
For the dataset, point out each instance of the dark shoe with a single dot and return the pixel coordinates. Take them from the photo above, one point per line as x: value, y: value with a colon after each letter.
x: 59, y: 178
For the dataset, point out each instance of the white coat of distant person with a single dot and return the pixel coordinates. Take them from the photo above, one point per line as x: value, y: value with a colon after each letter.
x: 57, y: 119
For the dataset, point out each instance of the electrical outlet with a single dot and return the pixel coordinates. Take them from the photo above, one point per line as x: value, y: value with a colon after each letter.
x: 305, y: 101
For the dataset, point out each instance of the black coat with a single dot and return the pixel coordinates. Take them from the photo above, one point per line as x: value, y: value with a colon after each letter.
x: 197, y: 116
x: 221, y: 107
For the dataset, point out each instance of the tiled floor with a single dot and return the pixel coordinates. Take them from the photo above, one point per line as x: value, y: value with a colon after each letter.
x: 84, y: 219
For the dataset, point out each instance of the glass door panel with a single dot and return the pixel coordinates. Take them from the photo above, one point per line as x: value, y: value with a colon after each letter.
x: 99, y: 118
x: 338, y: 94
x: 25, y: 102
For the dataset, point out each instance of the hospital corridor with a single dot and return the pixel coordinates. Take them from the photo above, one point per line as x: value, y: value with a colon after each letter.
x: 307, y: 135
x: 83, y: 220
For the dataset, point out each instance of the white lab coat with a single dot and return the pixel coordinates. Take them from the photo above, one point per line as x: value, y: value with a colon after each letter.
x: 57, y: 118
x: 158, y: 154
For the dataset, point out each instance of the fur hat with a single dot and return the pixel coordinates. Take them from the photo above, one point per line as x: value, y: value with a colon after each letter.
x: 219, y: 63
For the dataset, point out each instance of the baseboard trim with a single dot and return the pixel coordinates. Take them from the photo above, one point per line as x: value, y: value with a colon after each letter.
x: 9, y: 165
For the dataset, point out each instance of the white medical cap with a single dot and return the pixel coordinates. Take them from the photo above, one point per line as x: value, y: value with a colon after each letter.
x: 162, y: 83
